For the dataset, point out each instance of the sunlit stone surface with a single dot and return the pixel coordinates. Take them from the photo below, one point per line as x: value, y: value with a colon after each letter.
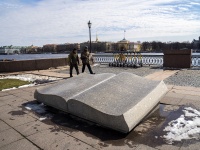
x: 118, y: 101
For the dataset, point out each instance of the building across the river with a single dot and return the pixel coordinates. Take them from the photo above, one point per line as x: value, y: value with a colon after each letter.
x: 125, y: 45
x: 96, y: 47
x: 122, y: 45
x: 196, y: 45
x: 11, y: 49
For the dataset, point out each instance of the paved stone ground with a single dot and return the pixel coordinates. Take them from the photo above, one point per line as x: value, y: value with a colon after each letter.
x: 23, y: 129
x: 143, y: 71
x: 185, y: 77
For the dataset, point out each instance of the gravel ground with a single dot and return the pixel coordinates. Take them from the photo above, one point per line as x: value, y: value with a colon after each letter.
x: 143, y: 71
x: 185, y: 78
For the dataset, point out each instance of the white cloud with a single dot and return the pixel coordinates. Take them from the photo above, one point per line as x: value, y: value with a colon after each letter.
x: 61, y: 21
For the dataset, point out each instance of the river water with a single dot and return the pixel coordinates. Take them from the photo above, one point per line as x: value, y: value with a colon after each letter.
x: 48, y: 56
x: 32, y: 56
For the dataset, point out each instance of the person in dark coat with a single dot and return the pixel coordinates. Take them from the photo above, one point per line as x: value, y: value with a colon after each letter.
x: 85, y: 60
x: 73, y: 61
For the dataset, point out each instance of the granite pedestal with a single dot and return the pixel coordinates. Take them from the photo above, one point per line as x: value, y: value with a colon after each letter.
x: 118, y: 101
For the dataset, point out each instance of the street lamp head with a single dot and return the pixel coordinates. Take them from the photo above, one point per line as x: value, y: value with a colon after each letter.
x: 89, y: 24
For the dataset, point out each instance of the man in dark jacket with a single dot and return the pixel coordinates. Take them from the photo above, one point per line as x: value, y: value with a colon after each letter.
x: 85, y: 60
x: 73, y: 61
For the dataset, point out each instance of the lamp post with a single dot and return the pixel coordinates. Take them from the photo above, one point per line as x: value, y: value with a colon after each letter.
x: 89, y: 26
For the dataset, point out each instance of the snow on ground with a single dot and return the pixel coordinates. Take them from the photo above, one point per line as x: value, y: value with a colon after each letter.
x: 96, y: 65
x: 34, y: 79
x: 187, y: 126
x: 29, y: 77
x: 40, y: 109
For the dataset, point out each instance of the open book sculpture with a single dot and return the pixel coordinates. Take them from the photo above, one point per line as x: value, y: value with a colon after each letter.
x: 117, y: 101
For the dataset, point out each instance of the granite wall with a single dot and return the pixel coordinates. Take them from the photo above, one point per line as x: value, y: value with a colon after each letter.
x: 28, y: 65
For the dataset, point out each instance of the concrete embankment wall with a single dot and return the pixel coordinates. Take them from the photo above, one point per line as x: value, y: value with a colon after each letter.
x: 28, y: 65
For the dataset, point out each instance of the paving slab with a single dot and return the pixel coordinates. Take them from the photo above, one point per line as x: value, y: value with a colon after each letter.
x: 19, y: 118
x: 51, y: 74
x: 161, y: 75
x: 2, y: 94
x: 22, y: 144
x: 24, y: 95
x: 71, y: 143
x: 57, y: 140
x: 188, y: 102
x: 3, y: 126
x: 33, y: 127
x: 98, y: 143
x: 18, y: 103
x: 190, y: 145
x: 104, y: 97
x: 187, y: 88
x: 30, y: 89
x: 168, y: 147
x: 13, y: 91
x: 187, y: 92
x: 15, y: 116
x: 175, y: 95
x: 7, y: 98
x: 9, y: 136
x: 2, y: 104
x: 192, y: 97
x: 92, y: 140
x: 144, y: 147
x: 170, y: 100
x: 5, y: 109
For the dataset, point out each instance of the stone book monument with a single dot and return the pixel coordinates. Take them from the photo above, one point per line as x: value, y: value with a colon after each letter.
x: 118, y: 102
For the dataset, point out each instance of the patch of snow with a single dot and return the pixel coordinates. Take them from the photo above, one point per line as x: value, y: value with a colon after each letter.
x: 42, y: 118
x: 34, y: 79
x: 9, y: 89
x: 40, y: 109
x: 187, y: 126
x: 96, y: 65
x: 29, y: 77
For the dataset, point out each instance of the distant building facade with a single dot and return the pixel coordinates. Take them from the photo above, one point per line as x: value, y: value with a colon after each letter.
x: 98, y: 46
x: 196, y: 45
x: 11, y: 49
x: 49, y: 48
x: 125, y: 45
x: 60, y: 48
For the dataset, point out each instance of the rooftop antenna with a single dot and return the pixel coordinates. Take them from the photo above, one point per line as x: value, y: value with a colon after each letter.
x: 124, y: 34
x: 97, y: 37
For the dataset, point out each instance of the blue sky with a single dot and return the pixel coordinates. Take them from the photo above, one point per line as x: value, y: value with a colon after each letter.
x: 39, y: 22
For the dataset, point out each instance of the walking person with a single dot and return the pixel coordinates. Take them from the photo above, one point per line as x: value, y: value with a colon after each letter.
x: 73, y: 61
x: 85, y: 60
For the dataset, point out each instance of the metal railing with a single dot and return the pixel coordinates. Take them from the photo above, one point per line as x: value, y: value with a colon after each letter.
x: 196, y: 60
x: 146, y: 58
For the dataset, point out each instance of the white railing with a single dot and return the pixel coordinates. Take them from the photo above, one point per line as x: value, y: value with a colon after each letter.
x: 195, y: 59
x: 147, y: 58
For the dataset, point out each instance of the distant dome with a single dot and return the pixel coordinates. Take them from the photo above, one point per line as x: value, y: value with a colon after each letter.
x: 124, y: 41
